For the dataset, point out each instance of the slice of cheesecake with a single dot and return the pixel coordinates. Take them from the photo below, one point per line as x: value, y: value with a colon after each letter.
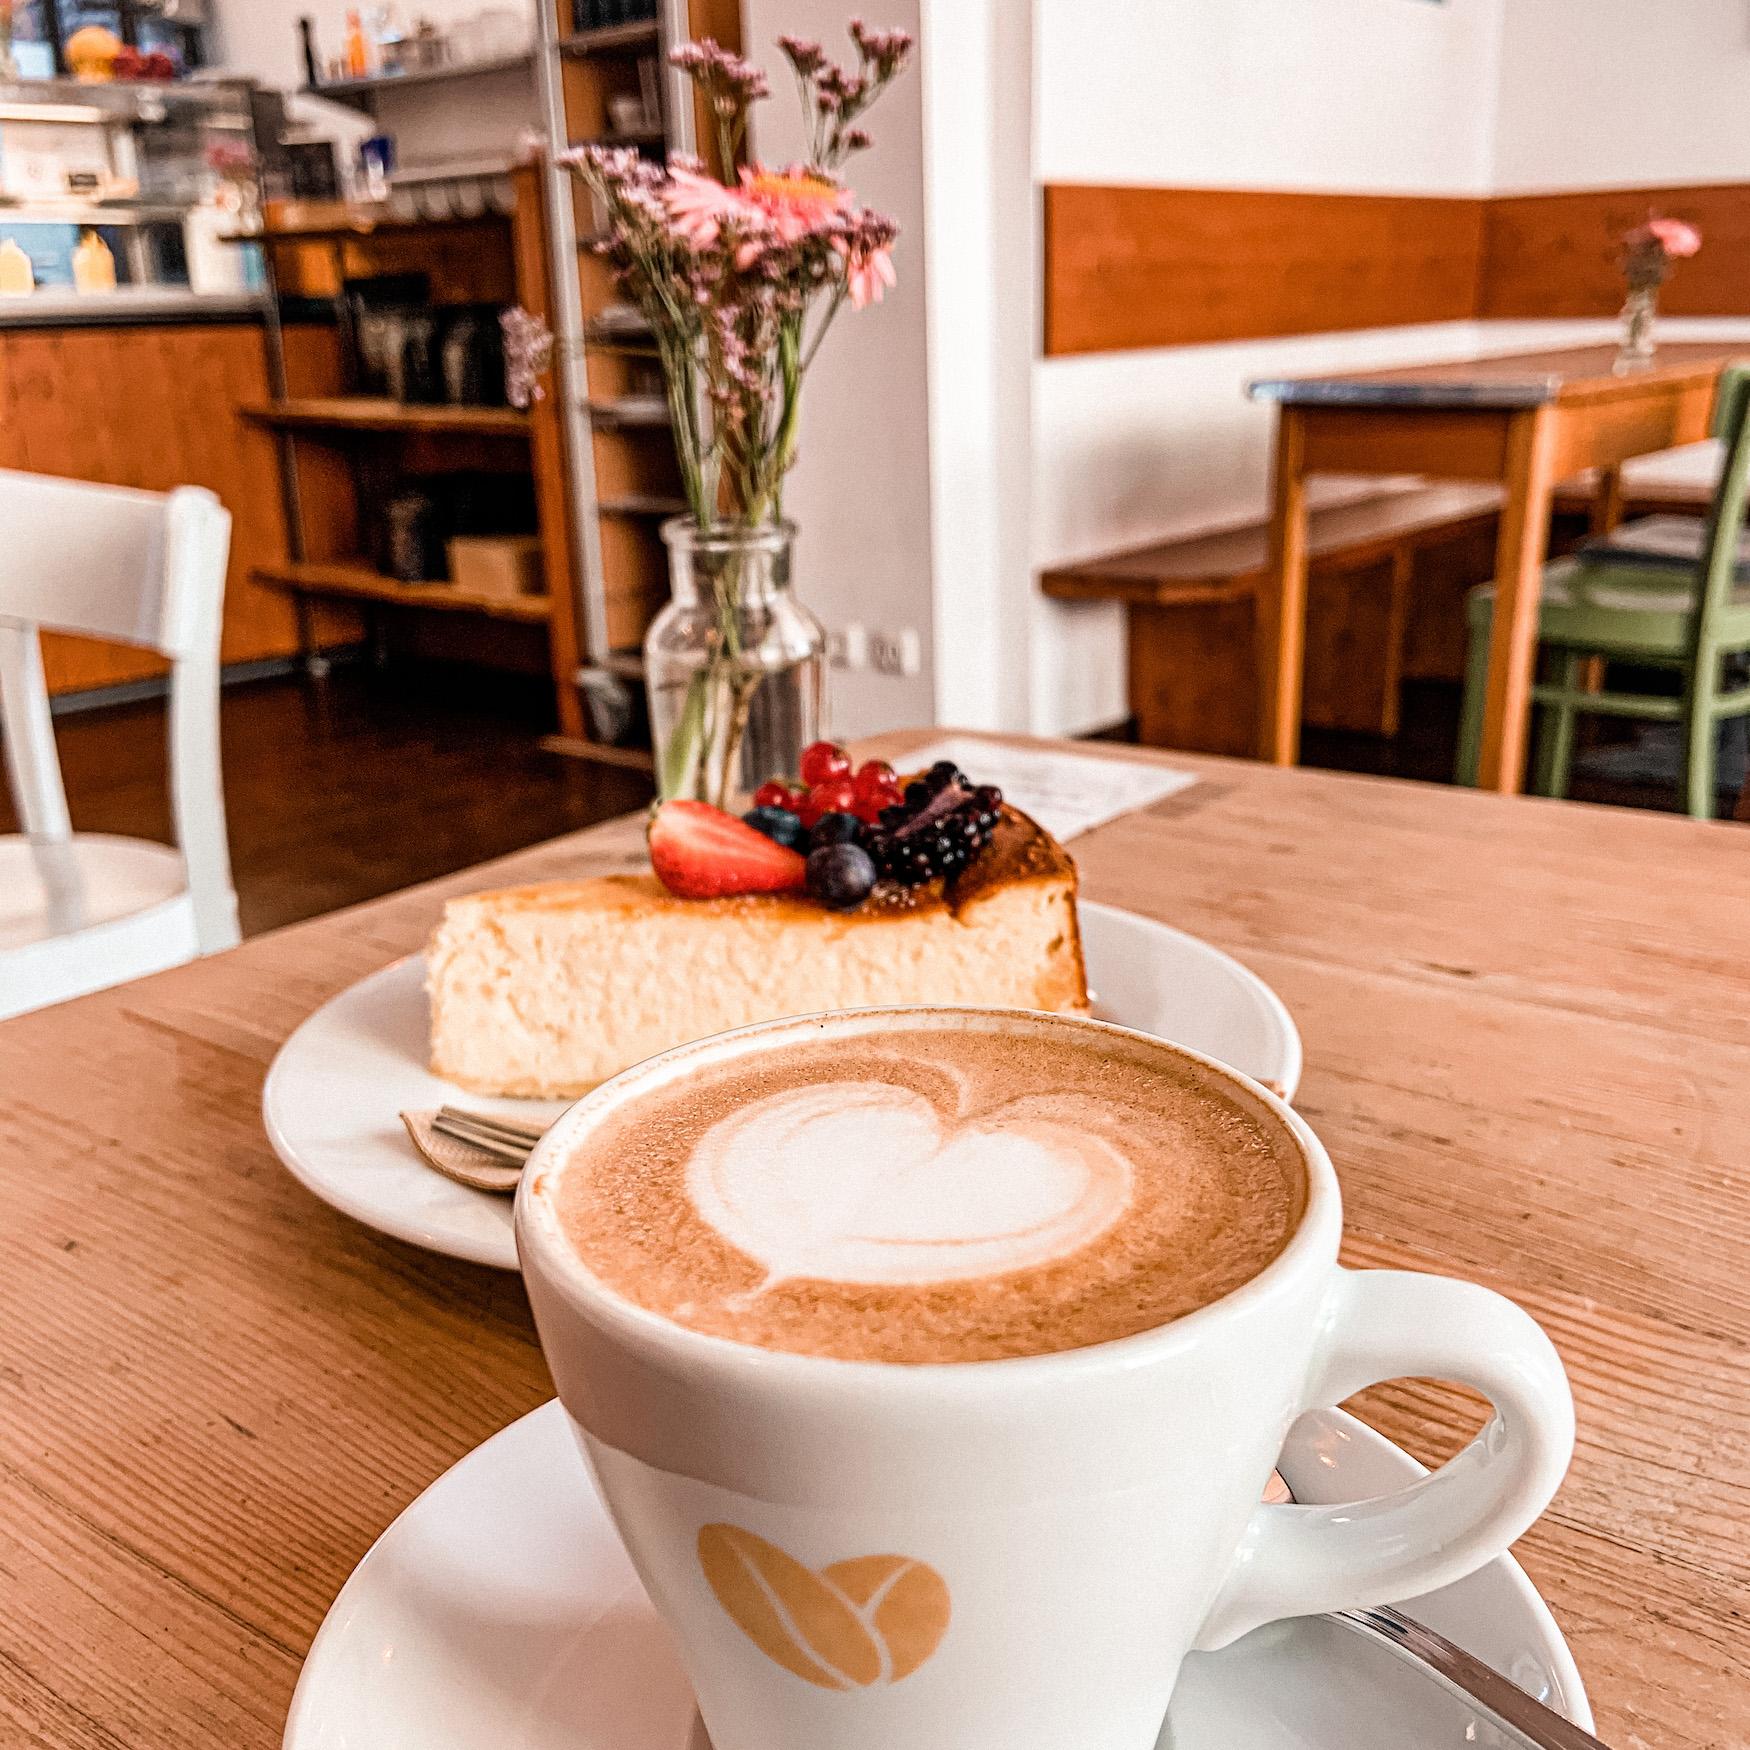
x: 546, y: 991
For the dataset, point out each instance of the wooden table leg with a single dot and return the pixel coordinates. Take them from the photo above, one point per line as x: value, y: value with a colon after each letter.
x: 1281, y: 609
x: 1519, y: 560
x: 1606, y: 510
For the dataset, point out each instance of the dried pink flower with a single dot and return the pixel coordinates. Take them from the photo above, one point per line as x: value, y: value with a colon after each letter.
x: 1676, y: 238
x: 805, y: 56
x: 740, y: 279
x: 528, y: 355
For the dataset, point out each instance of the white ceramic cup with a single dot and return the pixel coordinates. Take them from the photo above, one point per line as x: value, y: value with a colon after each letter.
x: 1017, y: 1554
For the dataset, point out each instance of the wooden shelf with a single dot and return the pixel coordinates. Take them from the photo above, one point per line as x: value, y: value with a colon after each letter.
x: 613, y: 39
x: 646, y: 413
x: 364, y: 227
x: 359, y: 582
x: 641, y: 504
x: 367, y: 413
x: 348, y: 90
x: 632, y: 336
x: 630, y: 137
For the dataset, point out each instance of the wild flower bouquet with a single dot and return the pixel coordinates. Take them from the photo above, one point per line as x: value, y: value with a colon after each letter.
x: 739, y: 278
x: 1649, y: 252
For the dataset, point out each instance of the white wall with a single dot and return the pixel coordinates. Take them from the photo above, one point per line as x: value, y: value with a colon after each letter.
x: 1612, y: 93
x: 860, y: 493
x: 1357, y: 95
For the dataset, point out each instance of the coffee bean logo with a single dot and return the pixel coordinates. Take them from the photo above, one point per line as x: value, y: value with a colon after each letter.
x: 855, y: 1625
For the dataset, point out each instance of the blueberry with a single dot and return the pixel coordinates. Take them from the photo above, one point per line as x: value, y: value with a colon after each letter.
x: 916, y: 795
x: 779, y: 825
x: 942, y: 774
x: 834, y: 829
x: 841, y: 876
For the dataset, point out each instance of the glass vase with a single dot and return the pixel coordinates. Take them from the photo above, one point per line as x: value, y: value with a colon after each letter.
x: 1639, y: 316
x: 734, y: 666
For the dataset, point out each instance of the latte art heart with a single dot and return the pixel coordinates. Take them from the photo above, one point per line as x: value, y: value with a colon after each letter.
x: 865, y: 1182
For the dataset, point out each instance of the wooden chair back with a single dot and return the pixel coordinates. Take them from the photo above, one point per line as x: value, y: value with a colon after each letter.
x: 1731, y: 501
x: 140, y: 568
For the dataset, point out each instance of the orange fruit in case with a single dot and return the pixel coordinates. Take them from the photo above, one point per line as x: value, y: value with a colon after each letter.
x: 91, y: 52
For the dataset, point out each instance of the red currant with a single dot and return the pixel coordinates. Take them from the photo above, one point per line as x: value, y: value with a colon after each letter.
x: 873, y: 776
x: 836, y: 797
x: 870, y: 803
x: 822, y: 762
x: 774, y: 795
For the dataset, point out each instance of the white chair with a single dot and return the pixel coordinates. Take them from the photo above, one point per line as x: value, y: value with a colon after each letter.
x: 79, y: 912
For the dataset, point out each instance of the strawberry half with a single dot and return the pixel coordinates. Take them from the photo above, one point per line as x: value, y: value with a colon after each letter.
x: 699, y: 852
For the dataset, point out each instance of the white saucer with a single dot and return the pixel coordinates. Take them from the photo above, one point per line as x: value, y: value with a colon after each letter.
x: 500, y: 1610
x: 335, y: 1090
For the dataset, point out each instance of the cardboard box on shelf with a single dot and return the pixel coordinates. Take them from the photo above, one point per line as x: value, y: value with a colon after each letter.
x: 499, y: 567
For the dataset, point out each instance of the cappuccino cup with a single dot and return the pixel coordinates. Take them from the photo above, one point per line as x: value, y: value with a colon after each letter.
x: 932, y: 1364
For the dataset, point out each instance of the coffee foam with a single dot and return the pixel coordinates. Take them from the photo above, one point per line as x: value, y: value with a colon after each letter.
x: 866, y: 1182
x: 931, y: 1195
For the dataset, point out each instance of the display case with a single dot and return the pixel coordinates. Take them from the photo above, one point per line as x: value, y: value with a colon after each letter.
x: 121, y: 189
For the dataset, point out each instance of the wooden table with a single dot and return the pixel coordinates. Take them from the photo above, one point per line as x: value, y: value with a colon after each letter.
x: 1528, y: 1046
x: 1529, y: 420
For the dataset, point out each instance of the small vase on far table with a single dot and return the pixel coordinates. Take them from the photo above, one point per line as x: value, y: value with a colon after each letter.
x: 1639, y: 318
x: 734, y: 666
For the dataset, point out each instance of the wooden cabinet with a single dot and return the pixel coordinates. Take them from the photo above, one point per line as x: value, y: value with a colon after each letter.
x: 153, y: 407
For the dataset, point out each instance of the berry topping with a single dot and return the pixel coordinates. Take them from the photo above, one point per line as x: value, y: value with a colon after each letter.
x: 699, y: 852
x: 776, y: 794
x: 781, y: 825
x: 874, y: 776
x: 936, y: 830
x: 834, y: 829
x: 841, y: 876
x: 822, y: 762
x: 835, y: 796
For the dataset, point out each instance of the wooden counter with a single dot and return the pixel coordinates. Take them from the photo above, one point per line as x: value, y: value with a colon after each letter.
x: 155, y: 405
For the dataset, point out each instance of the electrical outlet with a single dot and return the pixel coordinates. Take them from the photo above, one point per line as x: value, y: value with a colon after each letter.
x: 849, y: 647
x: 897, y: 654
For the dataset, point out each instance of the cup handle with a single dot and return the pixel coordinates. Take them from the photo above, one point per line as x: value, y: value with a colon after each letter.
x: 1391, y: 1324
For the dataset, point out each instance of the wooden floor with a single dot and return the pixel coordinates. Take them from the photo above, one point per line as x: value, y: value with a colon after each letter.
x: 346, y: 790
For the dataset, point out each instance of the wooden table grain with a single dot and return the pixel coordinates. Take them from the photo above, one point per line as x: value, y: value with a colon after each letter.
x: 1528, y: 1047
x: 1529, y: 420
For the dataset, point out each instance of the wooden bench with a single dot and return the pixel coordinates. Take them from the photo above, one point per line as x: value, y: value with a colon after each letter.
x: 1389, y: 574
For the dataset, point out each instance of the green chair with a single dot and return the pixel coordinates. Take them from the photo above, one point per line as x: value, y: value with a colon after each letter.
x: 1649, y: 609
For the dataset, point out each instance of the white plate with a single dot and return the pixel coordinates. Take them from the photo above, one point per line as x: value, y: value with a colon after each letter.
x: 500, y: 1610
x: 335, y: 1090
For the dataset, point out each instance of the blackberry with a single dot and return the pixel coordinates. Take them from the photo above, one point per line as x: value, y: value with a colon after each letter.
x: 942, y: 825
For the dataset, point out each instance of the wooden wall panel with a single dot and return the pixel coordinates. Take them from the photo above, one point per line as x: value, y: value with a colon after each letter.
x: 1558, y: 254
x: 1151, y: 267
x: 153, y: 408
x: 1160, y: 267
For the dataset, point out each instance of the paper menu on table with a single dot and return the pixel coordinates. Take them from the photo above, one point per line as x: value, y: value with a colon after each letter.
x: 1066, y: 793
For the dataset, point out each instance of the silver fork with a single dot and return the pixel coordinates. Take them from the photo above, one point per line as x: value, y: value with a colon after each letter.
x: 505, y: 1139
x: 1455, y: 1669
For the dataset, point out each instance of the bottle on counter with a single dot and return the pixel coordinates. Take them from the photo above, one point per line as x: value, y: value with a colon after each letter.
x: 93, y: 265
x: 17, y: 276
x: 358, y: 49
